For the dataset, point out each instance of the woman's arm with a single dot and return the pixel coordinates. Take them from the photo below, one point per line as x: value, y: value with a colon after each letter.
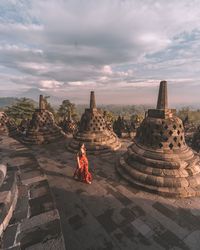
x: 78, y: 161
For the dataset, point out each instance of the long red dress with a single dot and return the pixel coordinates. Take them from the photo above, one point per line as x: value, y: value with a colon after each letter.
x: 82, y: 172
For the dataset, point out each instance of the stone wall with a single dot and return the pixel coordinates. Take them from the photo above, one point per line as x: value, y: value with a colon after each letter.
x: 35, y: 222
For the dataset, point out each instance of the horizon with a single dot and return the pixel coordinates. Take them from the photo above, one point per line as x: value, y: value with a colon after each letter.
x: 67, y: 48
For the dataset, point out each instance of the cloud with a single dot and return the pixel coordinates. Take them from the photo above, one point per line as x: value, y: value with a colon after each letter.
x: 105, y: 45
x: 48, y: 84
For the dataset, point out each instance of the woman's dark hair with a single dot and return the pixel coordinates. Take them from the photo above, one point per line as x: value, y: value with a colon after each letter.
x: 80, y: 145
x: 80, y: 152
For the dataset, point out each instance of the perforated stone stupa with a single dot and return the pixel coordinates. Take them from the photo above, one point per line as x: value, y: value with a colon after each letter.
x: 159, y: 160
x: 196, y: 139
x: 93, y: 132
x: 68, y: 125
x: 7, y: 126
x: 42, y: 128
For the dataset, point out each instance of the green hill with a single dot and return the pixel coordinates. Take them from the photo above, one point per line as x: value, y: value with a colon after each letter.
x: 7, y: 101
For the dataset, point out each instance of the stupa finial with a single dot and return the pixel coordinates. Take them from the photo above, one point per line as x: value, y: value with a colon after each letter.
x: 162, y: 96
x: 41, y: 102
x: 92, y: 100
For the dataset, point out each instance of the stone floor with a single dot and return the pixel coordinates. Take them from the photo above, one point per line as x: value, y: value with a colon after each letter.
x: 110, y: 214
x: 35, y: 222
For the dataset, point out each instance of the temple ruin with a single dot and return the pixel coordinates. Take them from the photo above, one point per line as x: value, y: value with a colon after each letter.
x: 42, y: 128
x: 94, y: 133
x: 159, y: 160
x: 7, y: 126
x: 68, y: 125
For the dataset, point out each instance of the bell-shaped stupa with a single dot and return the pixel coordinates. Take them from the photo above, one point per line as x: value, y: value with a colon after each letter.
x: 159, y: 160
x: 42, y: 128
x: 68, y: 125
x: 94, y: 133
x: 7, y: 125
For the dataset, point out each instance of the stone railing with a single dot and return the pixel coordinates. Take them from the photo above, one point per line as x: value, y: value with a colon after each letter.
x: 8, y: 196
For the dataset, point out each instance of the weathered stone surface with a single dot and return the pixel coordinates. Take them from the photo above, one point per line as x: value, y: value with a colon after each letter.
x: 3, y: 170
x: 196, y: 139
x: 99, y: 216
x: 159, y: 160
x: 7, y: 126
x: 68, y: 125
x: 93, y: 132
x: 9, y: 236
x: 193, y: 240
x: 47, y: 231
x: 42, y: 128
x: 35, y: 223
x: 8, y: 198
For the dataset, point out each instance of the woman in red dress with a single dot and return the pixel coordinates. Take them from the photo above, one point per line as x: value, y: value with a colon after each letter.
x: 82, y: 172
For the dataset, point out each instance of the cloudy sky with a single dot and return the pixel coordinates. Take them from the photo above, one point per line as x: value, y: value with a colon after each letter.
x: 119, y: 48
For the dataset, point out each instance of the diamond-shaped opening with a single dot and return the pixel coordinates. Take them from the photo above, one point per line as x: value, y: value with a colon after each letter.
x: 181, y: 137
x: 179, y: 144
x: 94, y: 129
x: 170, y: 132
x: 178, y: 132
x: 171, y: 145
x: 174, y: 127
x: 180, y: 126
x: 175, y: 139
x: 163, y: 122
x: 165, y: 138
x: 160, y: 145
x: 166, y: 127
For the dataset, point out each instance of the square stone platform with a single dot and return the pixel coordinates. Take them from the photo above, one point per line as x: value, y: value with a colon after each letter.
x: 110, y: 213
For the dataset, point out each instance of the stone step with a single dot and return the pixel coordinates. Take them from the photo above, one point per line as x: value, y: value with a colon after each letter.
x: 8, y: 199
x: 160, y: 170
x: 178, y: 192
x: 184, y: 154
x: 159, y: 181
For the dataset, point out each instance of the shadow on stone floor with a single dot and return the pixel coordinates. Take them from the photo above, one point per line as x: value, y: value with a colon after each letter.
x: 53, y: 173
x: 111, y: 214
x: 91, y: 221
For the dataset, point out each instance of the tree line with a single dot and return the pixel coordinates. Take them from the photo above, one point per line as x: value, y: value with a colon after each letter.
x: 24, y: 108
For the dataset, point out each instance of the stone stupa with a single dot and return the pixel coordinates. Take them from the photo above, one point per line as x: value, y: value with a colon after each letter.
x: 42, y: 128
x: 196, y: 140
x: 68, y: 125
x: 93, y: 132
x: 7, y: 125
x: 159, y: 160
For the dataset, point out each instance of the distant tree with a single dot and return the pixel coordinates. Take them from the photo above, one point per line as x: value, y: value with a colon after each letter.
x: 22, y: 109
x: 137, y: 118
x: 48, y: 105
x: 65, y: 108
x: 184, y: 112
x: 109, y: 116
x: 189, y: 116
